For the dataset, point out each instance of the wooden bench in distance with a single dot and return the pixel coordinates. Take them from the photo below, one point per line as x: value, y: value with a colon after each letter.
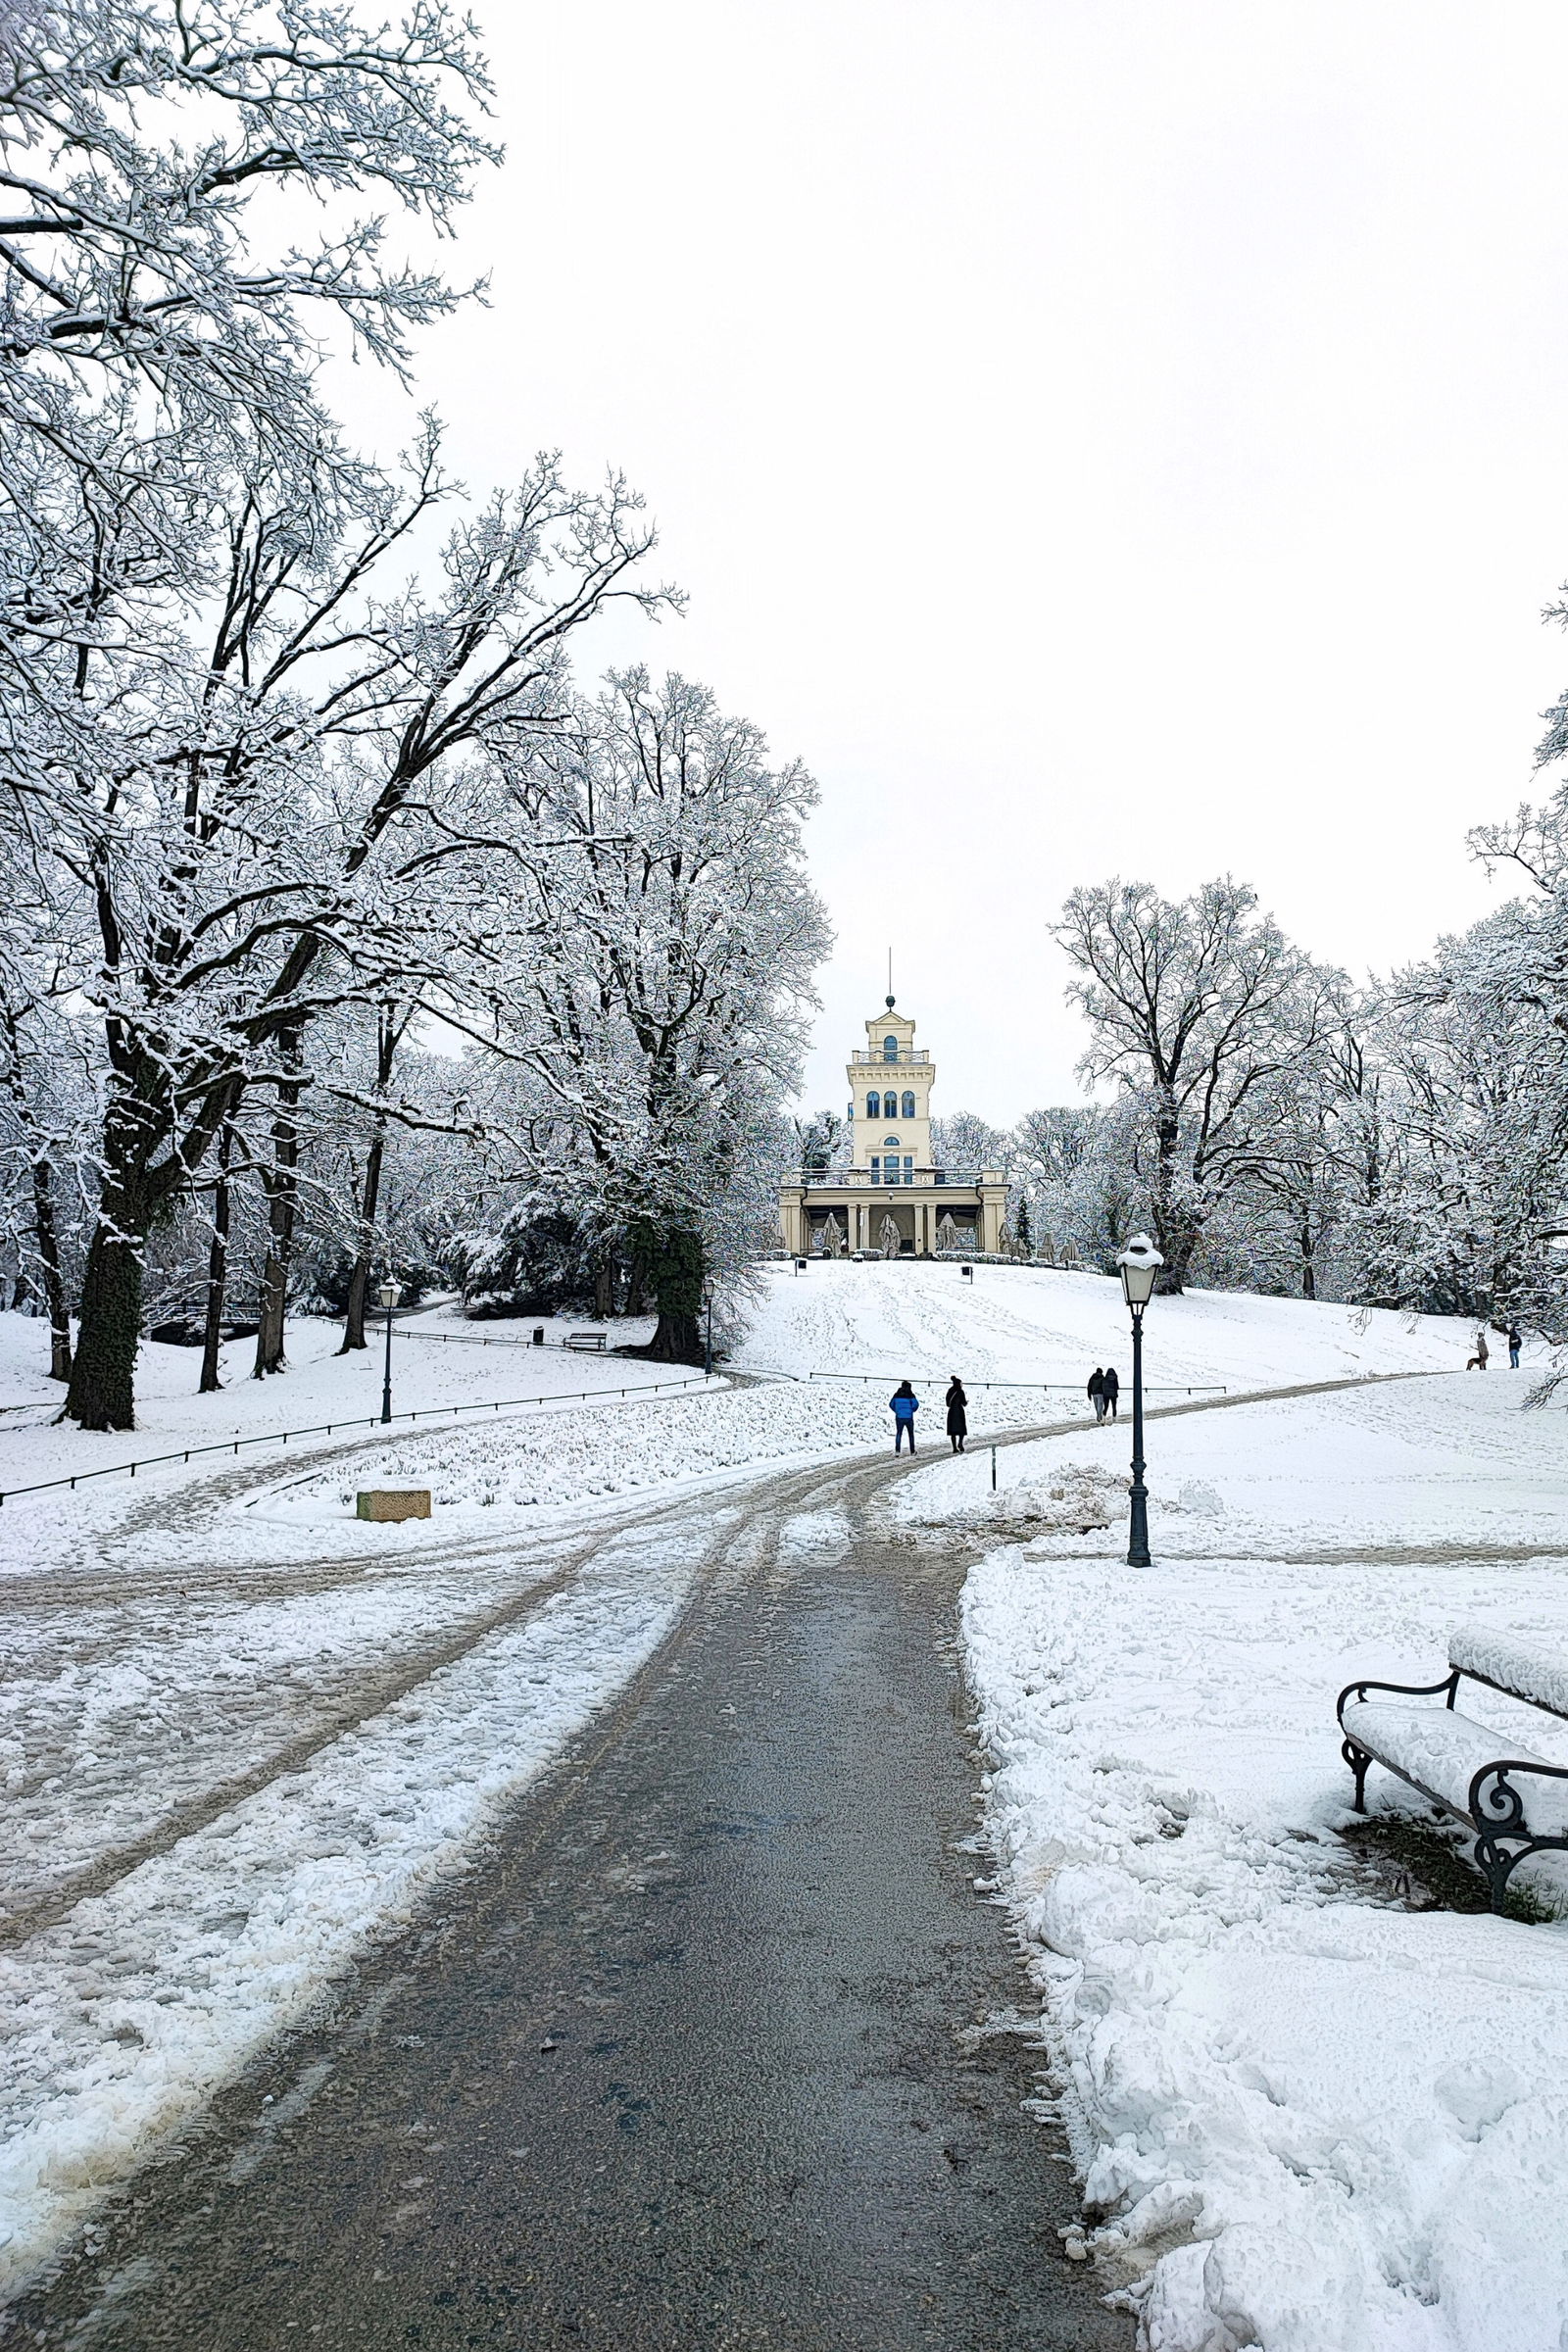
x: 591, y: 1342
x: 393, y: 1502
x: 1515, y: 1801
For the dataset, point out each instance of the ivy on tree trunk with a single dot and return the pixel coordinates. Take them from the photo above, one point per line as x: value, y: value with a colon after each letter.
x: 672, y: 1256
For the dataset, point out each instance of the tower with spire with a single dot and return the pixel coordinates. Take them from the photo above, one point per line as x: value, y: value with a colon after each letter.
x: 892, y: 1199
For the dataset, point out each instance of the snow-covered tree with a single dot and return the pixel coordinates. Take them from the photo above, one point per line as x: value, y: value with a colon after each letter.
x: 964, y: 1142
x: 285, y: 831
x: 1196, y: 1008
x: 660, y: 1014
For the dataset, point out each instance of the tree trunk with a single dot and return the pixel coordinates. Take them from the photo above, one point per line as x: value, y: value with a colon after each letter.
x: 390, y: 1028
x: 216, y: 1270
x: 1308, y: 1265
x: 45, y: 1232
x: 673, y: 1255
x: 47, y: 1239
x: 1174, y: 1235
x: 283, y: 1196
x: 102, y: 1391
x: 604, y: 1288
x: 360, y: 1280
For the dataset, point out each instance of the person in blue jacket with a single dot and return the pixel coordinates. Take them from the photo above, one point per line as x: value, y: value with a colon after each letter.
x: 905, y: 1404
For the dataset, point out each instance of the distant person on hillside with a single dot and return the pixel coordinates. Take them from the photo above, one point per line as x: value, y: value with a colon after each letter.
x: 1477, y: 1363
x: 1112, y: 1389
x: 1516, y: 1340
x: 957, y: 1405
x: 905, y: 1404
x: 1097, y: 1393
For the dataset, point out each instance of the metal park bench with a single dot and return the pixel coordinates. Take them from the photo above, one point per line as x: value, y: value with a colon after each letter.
x: 586, y: 1343
x: 1515, y: 1803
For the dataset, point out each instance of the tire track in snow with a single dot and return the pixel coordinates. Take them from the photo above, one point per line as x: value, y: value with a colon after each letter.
x: 383, y: 1688
x: 369, y: 1698
x: 133, y: 2010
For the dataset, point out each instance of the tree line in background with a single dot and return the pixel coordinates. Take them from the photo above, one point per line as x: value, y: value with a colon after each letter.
x: 1278, y: 1128
x: 345, y: 933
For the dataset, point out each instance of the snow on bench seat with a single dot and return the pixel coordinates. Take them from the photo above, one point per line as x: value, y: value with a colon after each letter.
x: 1511, y: 1664
x: 1445, y: 1750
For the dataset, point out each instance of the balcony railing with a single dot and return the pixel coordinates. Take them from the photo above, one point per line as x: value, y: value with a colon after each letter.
x: 907, y: 1055
x: 887, y: 1179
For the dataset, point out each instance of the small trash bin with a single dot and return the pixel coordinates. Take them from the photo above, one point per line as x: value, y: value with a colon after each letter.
x: 538, y: 1335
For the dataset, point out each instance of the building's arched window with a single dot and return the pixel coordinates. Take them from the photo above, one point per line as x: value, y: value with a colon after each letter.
x: 873, y: 1104
x: 891, y: 1140
x: 909, y: 1106
x: 890, y: 1048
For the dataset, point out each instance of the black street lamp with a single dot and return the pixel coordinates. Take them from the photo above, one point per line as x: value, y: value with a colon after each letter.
x: 1138, y: 1264
x: 388, y: 1296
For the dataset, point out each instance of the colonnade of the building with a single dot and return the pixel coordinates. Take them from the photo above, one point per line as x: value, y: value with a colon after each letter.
x: 861, y: 1219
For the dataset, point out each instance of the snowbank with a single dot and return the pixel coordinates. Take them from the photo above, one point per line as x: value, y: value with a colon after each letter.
x: 1307, y: 2119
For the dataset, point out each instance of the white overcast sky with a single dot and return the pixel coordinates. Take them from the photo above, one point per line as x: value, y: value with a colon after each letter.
x: 1096, y: 438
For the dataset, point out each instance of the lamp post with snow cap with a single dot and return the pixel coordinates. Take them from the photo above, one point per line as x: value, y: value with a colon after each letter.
x: 1138, y: 1264
x: 388, y: 1296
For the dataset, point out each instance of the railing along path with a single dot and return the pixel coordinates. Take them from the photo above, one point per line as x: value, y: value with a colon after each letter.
x: 327, y: 1429
x: 649, y: 1387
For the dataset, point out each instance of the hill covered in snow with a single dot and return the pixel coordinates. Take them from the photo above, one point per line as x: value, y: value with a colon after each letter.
x: 897, y: 1320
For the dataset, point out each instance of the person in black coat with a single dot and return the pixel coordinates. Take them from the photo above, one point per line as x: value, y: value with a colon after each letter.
x: 1097, y: 1393
x: 1112, y: 1389
x: 958, y: 1413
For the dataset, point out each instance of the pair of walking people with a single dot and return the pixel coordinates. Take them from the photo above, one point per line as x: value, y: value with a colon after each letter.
x: 905, y: 1404
x: 1104, y: 1388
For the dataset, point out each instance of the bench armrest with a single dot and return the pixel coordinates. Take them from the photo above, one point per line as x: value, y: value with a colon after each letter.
x: 1448, y: 1687
x: 1495, y: 1805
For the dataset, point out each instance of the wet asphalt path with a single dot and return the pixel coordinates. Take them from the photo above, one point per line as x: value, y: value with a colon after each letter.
x: 684, y: 2062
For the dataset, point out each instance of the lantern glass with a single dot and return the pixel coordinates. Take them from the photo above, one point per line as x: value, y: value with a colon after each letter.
x: 388, y: 1296
x: 1138, y: 1265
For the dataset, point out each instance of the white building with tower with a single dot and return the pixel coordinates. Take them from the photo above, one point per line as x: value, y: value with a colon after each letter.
x: 892, y: 1200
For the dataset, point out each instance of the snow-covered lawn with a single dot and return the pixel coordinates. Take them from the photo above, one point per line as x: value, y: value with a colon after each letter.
x: 1029, y: 1323
x: 438, y: 1361
x: 1309, y: 2120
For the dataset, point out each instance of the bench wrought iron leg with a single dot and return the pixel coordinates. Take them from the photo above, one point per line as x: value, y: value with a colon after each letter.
x: 1358, y: 1760
x: 1498, y: 1863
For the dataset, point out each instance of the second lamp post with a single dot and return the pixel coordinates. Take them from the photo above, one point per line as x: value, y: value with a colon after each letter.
x: 1138, y: 1265
x: 388, y: 1296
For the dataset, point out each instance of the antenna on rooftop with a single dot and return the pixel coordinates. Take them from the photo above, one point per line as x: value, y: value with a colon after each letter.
x: 890, y: 979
